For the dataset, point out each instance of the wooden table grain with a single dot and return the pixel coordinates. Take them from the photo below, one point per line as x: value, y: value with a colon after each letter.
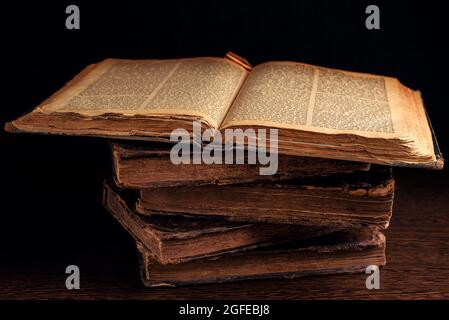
x: 417, y: 260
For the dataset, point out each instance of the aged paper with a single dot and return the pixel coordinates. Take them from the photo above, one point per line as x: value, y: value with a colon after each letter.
x: 203, y: 87
x: 343, y: 101
x: 304, y: 97
x: 200, y: 85
x: 275, y: 92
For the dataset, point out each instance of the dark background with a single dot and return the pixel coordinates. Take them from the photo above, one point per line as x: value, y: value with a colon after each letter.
x: 51, y: 186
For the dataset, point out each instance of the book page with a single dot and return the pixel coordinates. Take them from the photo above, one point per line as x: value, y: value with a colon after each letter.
x: 274, y: 92
x: 304, y: 97
x: 198, y: 87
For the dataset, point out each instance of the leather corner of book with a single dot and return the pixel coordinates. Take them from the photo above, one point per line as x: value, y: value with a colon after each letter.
x: 9, y: 127
x: 239, y: 60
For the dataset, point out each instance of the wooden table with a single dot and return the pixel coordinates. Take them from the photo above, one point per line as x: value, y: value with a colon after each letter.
x: 417, y: 256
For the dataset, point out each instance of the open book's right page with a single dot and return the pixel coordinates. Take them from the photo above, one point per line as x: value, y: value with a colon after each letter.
x: 288, y: 95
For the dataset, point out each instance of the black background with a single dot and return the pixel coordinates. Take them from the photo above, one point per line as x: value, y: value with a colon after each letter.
x: 51, y: 186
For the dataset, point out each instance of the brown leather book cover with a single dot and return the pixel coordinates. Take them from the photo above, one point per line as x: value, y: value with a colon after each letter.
x: 144, y: 165
x: 349, y: 251
x: 359, y: 199
x: 175, y: 239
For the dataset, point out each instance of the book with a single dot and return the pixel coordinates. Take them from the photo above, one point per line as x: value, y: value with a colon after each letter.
x: 363, y: 198
x: 175, y: 239
x: 139, y: 166
x: 318, y: 112
x: 349, y: 251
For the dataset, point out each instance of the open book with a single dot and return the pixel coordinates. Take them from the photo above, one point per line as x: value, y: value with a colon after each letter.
x: 319, y: 112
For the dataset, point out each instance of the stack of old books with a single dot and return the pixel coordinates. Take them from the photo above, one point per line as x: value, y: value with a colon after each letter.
x: 322, y: 211
x: 199, y: 223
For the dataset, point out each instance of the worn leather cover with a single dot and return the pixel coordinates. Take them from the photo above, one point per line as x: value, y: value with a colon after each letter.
x: 175, y: 239
x: 138, y: 165
x: 361, y: 199
x: 349, y: 251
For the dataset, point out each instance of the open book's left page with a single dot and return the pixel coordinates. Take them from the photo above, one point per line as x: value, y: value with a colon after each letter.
x: 186, y: 89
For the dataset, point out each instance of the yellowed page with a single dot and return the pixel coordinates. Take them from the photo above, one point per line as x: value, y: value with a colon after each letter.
x: 277, y: 93
x: 304, y: 97
x: 199, y: 87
